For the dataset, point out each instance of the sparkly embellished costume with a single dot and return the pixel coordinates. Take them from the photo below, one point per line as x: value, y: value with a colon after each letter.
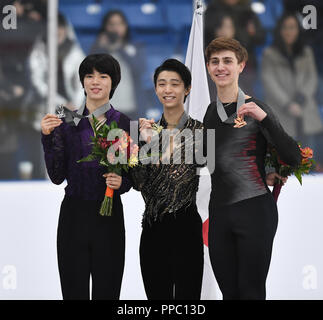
x: 171, y: 247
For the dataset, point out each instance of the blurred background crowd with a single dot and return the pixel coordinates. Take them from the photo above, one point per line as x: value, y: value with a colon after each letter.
x: 285, y: 66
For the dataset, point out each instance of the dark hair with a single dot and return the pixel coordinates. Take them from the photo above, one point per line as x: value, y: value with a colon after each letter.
x: 108, y: 16
x: 278, y: 41
x: 222, y: 44
x: 215, y: 22
x: 103, y: 63
x: 61, y: 20
x: 178, y: 67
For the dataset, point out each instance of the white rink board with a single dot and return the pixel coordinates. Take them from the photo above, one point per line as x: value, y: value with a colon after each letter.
x: 28, y: 223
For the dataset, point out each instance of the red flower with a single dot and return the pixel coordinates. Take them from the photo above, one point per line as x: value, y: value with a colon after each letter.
x: 103, y: 143
x: 307, y: 153
x: 115, y: 143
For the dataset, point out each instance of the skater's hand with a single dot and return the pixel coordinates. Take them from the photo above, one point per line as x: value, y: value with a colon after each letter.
x: 252, y: 110
x: 145, y: 128
x: 49, y: 123
x: 113, y: 180
x: 271, y: 177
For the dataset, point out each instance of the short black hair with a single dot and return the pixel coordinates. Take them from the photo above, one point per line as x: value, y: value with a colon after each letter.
x: 103, y: 63
x: 178, y: 67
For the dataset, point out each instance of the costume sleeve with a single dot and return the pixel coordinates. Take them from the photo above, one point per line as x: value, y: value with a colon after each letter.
x: 286, y: 146
x: 208, y: 138
x: 126, y: 183
x: 200, y: 146
x: 139, y: 175
x: 55, y: 158
x: 206, y: 125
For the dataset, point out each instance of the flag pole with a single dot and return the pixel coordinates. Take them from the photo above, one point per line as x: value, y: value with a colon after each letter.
x: 197, y: 4
x: 52, y: 54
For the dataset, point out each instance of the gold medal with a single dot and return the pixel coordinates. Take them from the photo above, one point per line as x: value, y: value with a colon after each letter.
x: 239, y: 122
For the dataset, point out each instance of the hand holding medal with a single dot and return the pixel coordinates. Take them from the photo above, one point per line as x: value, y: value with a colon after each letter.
x: 148, y: 128
x: 51, y: 121
x: 249, y: 109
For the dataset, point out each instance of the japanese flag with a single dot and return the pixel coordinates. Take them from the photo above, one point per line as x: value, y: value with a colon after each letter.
x: 196, y: 105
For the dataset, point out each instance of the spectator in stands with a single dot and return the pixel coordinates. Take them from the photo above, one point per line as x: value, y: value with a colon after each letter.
x: 223, y: 26
x: 34, y: 10
x: 69, y: 90
x: 70, y: 55
x: 268, y: 11
x: 249, y: 32
x: 114, y: 38
x: 15, y: 47
x: 313, y: 38
x: 290, y: 81
x: 8, y: 126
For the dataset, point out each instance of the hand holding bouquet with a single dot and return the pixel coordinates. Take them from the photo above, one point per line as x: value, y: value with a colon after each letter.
x: 114, y: 149
x: 284, y: 170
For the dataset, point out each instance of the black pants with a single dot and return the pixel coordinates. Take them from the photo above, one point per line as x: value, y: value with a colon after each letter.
x: 89, y: 244
x: 171, y: 256
x: 240, y: 245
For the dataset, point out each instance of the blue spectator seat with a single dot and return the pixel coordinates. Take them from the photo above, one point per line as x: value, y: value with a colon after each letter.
x: 140, y: 15
x: 89, y: 15
x: 155, y: 56
x: 83, y: 16
x: 179, y: 15
x: 273, y: 11
x: 75, y: 2
x: 86, y: 40
x: 154, y: 38
x: 179, y: 18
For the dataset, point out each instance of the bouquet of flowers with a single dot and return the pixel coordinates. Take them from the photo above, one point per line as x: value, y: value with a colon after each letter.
x: 283, y: 169
x: 117, y: 155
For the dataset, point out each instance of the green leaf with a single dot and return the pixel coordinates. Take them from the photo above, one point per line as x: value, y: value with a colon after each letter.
x: 298, y: 175
x: 89, y: 158
x: 104, y: 163
x: 113, y: 125
x: 95, y: 121
x: 117, y: 170
x: 105, y: 130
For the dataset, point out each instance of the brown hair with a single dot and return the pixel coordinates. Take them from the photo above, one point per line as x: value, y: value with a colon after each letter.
x: 222, y: 44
